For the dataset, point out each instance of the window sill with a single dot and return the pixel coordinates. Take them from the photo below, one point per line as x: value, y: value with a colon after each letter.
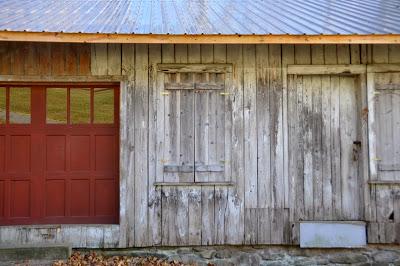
x: 192, y: 184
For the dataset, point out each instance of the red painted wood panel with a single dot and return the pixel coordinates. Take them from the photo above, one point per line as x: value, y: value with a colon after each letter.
x: 2, y: 199
x: 80, y: 153
x: 105, y: 155
x: 20, y: 154
x: 80, y: 198
x: 2, y: 153
x: 59, y: 172
x: 55, y: 198
x: 55, y: 153
x: 20, y: 198
x: 105, y: 195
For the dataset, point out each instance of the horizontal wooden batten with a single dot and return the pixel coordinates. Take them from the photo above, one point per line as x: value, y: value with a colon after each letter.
x: 383, y: 68
x: 205, y: 86
x: 191, y: 168
x: 195, y: 68
x: 67, y: 79
x: 193, y: 184
x: 384, y: 182
x: 387, y: 87
x: 179, y: 86
x: 201, y: 39
x: 388, y: 167
x: 326, y: 69
x: 193, y: 86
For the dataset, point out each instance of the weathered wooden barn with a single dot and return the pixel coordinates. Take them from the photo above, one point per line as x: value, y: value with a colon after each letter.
x: 174, y: 123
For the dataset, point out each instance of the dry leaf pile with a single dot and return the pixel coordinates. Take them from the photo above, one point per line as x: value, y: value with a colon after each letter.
x: 93, y: 259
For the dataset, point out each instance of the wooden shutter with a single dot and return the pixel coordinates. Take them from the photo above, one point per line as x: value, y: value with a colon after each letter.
x: 386, y: 125
x: 382, y: 212
x: 195, y: 108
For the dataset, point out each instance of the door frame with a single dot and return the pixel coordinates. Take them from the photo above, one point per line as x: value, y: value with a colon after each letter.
x: 360, y: 71
x: 78, y: 235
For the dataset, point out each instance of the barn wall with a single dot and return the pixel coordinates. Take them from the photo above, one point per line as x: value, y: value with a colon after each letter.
x: 269, y: 198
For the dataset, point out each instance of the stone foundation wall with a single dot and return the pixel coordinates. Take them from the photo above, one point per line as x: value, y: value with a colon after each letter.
x: 270, y: 255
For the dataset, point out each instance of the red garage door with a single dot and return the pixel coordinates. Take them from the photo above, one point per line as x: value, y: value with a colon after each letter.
x: 59, y: 154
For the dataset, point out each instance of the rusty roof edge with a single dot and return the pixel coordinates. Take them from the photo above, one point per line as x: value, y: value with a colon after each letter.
x: 64, y: 37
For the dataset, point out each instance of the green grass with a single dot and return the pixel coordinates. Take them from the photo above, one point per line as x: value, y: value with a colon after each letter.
x: 57, y: 105
x: 104, y: 106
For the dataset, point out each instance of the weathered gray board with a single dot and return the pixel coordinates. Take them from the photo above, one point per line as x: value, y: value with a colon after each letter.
x: 333, y: 234
x: 273, y: 118
x: 384, y: 122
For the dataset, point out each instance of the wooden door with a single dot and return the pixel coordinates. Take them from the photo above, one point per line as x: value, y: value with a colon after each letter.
x: 324, y: 146
x: 195, y: 109
x: 59, y: 154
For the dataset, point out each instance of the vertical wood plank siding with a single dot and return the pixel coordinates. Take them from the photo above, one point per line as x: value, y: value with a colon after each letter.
x: 285, y: 150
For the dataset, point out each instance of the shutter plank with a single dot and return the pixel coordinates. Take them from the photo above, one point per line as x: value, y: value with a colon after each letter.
x: 201, y: 124
x: 219, y: 124
x: 187, y: 134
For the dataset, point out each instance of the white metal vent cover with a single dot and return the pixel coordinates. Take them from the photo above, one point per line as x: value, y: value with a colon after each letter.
x: 332, y: 234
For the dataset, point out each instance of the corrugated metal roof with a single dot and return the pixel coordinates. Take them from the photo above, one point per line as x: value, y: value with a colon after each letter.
x: 311, y: 17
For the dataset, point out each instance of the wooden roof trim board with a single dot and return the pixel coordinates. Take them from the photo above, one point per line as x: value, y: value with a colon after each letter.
x: 214, y: 39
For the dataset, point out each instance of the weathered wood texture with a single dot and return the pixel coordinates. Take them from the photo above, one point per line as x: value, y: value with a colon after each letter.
x: 85, y: 236
x: 384, y: 129
x: 45, y: 59
x: 294, y: 145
